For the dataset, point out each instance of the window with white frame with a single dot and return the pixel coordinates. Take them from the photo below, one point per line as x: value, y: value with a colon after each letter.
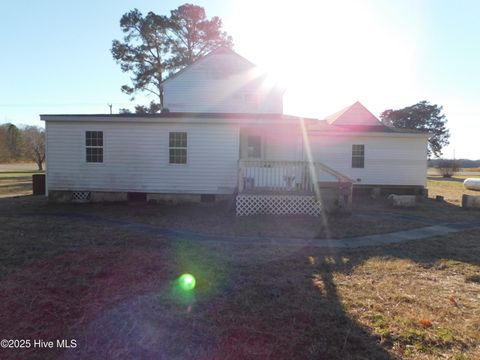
x: 358, y: 156
x: 178, y: 147
x: 94, y: 146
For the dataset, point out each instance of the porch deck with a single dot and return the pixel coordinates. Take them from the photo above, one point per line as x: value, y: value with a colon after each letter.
x: 267, y: 176
x: 280, y: 191
x: 287, y: 187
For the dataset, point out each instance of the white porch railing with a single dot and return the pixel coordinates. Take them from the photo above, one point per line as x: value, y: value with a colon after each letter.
x: 282, y: 176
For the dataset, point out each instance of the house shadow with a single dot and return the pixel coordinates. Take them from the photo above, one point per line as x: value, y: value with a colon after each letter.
x: 342, y: 336
x: 294, y: 314
x: 299, y: 299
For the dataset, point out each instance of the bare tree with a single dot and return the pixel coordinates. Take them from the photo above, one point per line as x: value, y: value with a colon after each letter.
x: 448, y: 168
x: 11, y: 143
x: 34, y: 144
x: 4, y: 151
x: 14, y: 142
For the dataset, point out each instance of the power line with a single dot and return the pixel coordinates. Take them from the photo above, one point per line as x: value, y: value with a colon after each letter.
x: 63, y: 104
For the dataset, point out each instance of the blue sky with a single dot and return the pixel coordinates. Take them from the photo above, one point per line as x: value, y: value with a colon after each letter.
x: 56, y: 57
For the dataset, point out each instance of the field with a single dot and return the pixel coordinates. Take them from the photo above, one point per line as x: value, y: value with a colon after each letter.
x: 16, y: 179
x: 451, y: 189
x: 101, y: 276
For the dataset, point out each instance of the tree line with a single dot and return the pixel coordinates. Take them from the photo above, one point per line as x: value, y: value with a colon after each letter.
x: 461, y: 163
x: 25, y: 143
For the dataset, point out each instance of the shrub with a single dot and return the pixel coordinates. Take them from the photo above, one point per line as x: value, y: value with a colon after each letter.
x: 448, y: 168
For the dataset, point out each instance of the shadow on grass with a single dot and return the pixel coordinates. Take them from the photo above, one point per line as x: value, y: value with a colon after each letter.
x: 295, y: 309
x: 357, y: 341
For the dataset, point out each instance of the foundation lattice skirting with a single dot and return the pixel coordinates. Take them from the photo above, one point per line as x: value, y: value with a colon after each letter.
x: 80, y: 196
x: 249, y: 204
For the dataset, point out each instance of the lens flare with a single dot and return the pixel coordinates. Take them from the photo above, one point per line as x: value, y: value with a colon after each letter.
x: 187, y: 282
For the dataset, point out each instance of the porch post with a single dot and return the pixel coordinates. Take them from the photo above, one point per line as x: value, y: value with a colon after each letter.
x: 240, y: 176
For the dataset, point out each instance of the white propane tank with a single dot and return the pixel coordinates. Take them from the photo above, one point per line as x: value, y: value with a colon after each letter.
x: 472, y: 184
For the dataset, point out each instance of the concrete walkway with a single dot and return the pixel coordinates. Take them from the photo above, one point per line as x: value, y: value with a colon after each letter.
x: 351, y: 242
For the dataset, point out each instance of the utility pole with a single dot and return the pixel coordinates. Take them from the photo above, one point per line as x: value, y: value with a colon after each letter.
x: 110, y: 106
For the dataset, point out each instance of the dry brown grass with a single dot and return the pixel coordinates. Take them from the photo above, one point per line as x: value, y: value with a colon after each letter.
x: 214, y: 219
x: 114, y: 290
x: 423, y: 307
x: 7, y: 188
x: 17, y: 182
x: 451, y: 189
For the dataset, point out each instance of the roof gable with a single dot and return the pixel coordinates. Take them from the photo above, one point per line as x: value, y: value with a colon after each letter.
x: 222, y: 82
x: 240, y: 63
x: 355, y: 114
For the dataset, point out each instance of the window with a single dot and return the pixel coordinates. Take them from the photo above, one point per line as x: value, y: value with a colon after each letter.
x: 94, y: 146
x: 358, y: 156
x: 178, y: 147
x: 254, y: 147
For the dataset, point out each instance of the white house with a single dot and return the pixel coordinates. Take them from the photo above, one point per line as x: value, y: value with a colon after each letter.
x: 223, y: 133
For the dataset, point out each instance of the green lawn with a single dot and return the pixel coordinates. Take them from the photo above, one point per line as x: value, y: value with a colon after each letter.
x: 15, y: 174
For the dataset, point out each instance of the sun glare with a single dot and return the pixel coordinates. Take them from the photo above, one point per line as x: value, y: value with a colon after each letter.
x: 327, y: 54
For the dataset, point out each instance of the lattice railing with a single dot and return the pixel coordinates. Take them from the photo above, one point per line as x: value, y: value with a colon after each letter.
x: 252, y: 204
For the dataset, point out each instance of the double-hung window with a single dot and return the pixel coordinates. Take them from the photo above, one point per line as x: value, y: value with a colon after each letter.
x: 94, y: 146
x: 358, y: 156
x: 178, y: 147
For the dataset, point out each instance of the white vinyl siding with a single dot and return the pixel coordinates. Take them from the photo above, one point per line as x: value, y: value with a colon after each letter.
x: 221, y: 83
x: 390, y: 159
x: 136, y: 158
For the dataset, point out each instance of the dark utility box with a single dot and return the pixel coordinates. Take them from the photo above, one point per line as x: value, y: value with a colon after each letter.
x: 38, y: 184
